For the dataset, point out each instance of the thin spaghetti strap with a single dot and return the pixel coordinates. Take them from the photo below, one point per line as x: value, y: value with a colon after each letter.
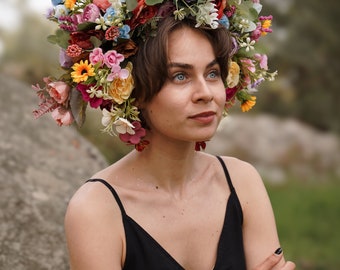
x: 226, y: 173
x: 114, y: 193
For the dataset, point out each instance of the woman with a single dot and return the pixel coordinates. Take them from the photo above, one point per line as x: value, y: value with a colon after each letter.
x: 159, y: 74
x: 176, y: 194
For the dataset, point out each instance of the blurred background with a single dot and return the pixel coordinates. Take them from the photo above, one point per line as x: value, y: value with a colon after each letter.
x: 297, y: 114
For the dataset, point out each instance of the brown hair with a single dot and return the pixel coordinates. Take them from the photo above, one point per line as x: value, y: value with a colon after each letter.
x: 150, y: 62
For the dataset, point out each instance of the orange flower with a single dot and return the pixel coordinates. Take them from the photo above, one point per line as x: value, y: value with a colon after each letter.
x: 120, y: 89
x: 82, y: 71
x: 248, y: 104
x: 70, y: 4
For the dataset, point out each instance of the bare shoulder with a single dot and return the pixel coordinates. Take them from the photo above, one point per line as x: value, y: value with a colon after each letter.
x: 259, y: 228
x: 94, y: 230
x: 242, y: 173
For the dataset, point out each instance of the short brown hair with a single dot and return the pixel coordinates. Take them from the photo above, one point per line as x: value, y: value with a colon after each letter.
x: 150, y: 62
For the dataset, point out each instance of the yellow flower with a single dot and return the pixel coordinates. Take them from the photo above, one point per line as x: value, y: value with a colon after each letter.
x: 70, y: 4
x: 266, y: 24
x: 248, y: 104
x: 120, y: 89
x: 233, y: 74
x: 82, y: 71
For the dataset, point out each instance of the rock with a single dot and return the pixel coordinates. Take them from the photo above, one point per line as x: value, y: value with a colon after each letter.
x: 41, y: 166
x: 278, y: 148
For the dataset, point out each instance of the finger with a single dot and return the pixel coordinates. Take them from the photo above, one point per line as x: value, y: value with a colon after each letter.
x: 289, y: 266
x: 271, y: 261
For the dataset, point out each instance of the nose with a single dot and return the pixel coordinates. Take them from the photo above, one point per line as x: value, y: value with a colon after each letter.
x: 202, y: 91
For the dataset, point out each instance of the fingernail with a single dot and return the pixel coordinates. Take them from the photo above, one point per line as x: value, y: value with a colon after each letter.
x: 278, y: 251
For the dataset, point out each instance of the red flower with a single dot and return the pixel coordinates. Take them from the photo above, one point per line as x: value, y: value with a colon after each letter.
x: 82, y: 39
x: 220, y: 5
x: 112, y: 33
x: 142, y: 145
x: 141, y: 14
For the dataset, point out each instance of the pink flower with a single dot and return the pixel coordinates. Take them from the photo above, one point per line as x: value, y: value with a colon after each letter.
x: 94, y: 101
x: 59, y: 91
x: 118, y: 72
x: 134, y: 138
x: 102, y: 4
x: 263, y: 60
x: 112, y: 58
x: 96, y: 56
x: 73, y: 50
x: 248, y: 64
x: 91, y: 13
x: 62, y: 116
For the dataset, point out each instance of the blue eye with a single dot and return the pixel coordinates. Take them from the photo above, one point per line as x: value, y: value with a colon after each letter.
x: 214, y: 74
x: 179, y: 77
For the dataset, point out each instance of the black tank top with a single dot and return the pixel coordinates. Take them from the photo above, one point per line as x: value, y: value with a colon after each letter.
x: 143, y: 252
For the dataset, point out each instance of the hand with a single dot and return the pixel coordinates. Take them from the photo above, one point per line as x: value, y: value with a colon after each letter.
x: 273, y: 260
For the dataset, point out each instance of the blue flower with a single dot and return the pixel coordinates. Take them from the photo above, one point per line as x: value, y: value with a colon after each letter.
x: 60, y: 10
x: 124, y: 31
x: 57, y: 2
x: 224, y: 21
x: 109, y: 14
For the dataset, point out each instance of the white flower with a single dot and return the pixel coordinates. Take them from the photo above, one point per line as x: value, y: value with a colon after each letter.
x: 124, y: 126
x: 107, y: 118
x: 248, y: 44
x: 207, y: 14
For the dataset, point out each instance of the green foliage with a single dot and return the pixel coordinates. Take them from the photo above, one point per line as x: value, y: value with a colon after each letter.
x: 61, y: 38
x: 78, y: 107
x: 307, y: 216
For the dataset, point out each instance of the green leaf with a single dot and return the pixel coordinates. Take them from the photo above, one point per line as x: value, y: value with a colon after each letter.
x: 153, y: 2
x: 95, y: 41
x: 60, y: 38
x: 131, y: 4
x: 52, y: 39
x: 78, y: 107
x: 86, y: 26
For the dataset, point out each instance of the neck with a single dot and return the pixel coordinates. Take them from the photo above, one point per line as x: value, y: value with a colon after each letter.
x: 168, y: 166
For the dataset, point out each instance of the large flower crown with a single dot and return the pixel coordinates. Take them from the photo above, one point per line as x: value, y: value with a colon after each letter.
x: 97, y: 39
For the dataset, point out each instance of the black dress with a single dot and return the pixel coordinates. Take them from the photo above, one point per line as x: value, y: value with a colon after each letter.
x: 143, y: 252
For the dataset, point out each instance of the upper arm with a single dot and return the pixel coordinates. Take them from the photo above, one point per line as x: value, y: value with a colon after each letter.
x: 259, y: 228
x: 93, y: 230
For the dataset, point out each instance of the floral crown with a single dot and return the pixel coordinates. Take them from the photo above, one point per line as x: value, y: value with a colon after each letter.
x: 97, y: 39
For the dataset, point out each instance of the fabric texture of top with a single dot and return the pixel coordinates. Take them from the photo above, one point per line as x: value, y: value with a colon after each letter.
x: 143, y: 252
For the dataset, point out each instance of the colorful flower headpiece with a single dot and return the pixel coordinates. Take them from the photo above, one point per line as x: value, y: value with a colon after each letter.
x: 97, y: 39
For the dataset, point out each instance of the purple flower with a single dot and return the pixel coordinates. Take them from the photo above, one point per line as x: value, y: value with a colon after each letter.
x: 64, y: 60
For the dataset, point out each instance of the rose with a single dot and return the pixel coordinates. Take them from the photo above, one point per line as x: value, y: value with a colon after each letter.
x: 112, y: 58
x: 102, y: 4
x: 233, y: 75
x: 59, y: 91
x: 82, y: 39
x: 120, y: 89
x: 62, y: 116
x: 141, y: 14
x: 91, y: 13
x: 96, y: 56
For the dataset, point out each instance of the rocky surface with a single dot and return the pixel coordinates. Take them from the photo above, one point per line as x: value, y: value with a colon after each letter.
x: 41, y: 165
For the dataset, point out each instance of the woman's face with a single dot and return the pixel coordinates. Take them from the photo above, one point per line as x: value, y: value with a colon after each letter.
x: 190, y: 104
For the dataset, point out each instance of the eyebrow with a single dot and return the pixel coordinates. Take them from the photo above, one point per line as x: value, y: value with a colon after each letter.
x: 188, y: 66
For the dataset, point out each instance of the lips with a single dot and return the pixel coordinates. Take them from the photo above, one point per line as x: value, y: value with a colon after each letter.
x: 204, y: 117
